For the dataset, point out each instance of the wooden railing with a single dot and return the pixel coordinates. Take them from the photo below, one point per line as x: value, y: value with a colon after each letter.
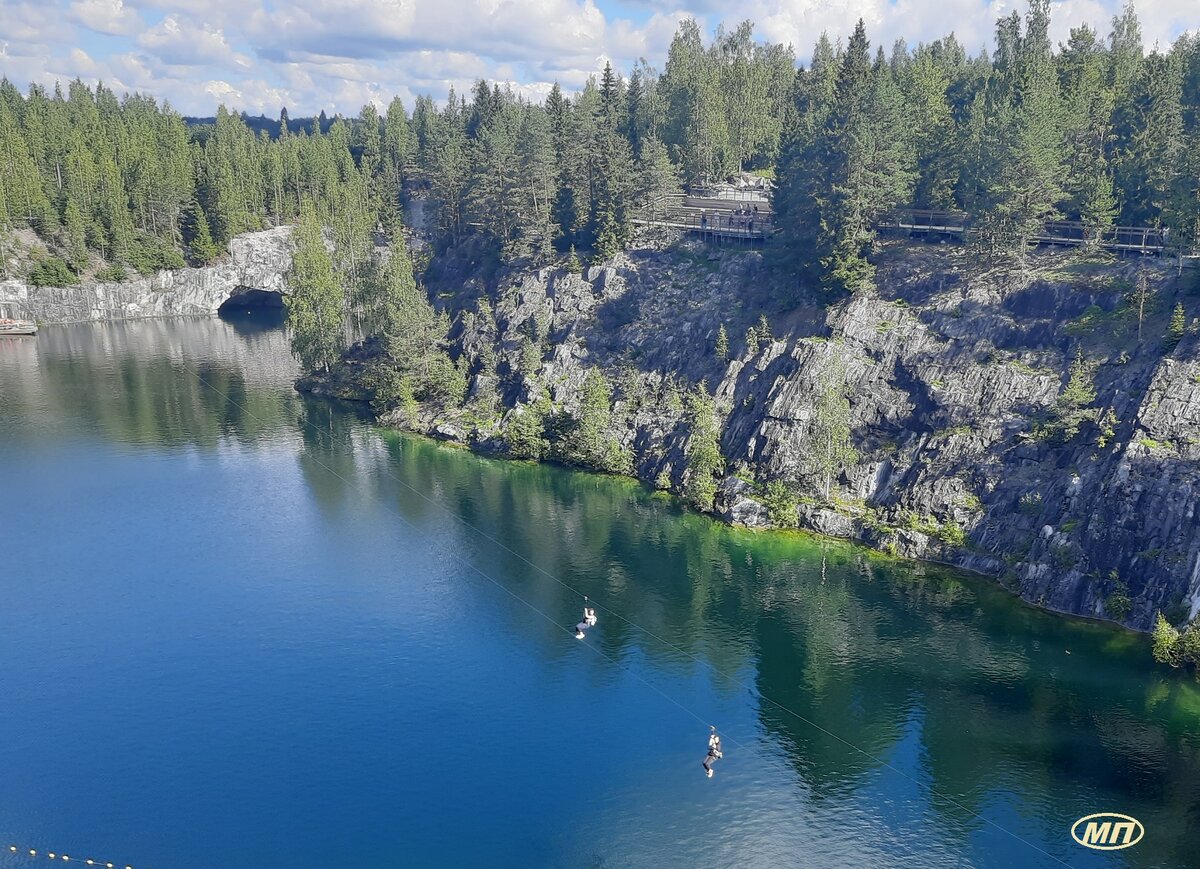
x: 924, y: 221
x: 718, y: 217
x: 710, y: 216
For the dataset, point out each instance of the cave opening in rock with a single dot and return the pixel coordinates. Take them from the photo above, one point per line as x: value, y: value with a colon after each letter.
x: 246, y: 299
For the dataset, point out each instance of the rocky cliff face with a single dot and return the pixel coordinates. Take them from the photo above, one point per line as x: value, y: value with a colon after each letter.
x: 954, y: 372
x: 256, y: 261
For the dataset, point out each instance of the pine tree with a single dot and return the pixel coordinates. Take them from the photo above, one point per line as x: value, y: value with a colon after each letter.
x: 745, y: 84
x: 931, y: 119
x: 765, y: 339
x: 537, y: 183
x: 200, y: 245
x: 722, y: 348
x: 448, y: 173
x: 696, y: 124
x: 75, y: 230
x: 752, y: 345
x: 1142, y: 292
x: 1080, y: 391
x: 525, y: 431
x: 800, y: 189
x: 1177, y: 326
x: 573, y: 265
x: 611, y: 102
x: 315, y: 303
x: 496, y: 185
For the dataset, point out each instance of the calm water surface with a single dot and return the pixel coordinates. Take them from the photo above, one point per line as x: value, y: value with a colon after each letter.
x: 244, y: 629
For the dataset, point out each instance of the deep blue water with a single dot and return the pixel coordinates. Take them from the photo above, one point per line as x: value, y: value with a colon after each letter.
x: 239, y: 628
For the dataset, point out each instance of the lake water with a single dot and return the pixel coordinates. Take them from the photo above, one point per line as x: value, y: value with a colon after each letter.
x: 240, y: 628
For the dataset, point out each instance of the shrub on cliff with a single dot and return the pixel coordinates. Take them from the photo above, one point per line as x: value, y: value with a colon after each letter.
x: 390, y: 390
x: 112, y: 274
x: 52, y: 272
x: 781, y: 503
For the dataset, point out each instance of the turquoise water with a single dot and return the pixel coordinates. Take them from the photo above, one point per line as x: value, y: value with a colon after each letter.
x: 244, y: 629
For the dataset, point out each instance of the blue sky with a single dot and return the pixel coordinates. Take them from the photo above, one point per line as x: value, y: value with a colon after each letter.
x: 259, y: 55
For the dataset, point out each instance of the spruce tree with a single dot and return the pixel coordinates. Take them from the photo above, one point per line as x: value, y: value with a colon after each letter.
x: 846, y: 145
x: 201, y: 248
x: 1177, y: 326
x: 315, y: 301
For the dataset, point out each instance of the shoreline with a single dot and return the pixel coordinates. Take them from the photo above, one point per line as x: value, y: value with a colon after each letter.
x: 715, y: 515
x: 855, y: 542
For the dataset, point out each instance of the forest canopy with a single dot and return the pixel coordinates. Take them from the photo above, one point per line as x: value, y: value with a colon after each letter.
x: 1095, y: 129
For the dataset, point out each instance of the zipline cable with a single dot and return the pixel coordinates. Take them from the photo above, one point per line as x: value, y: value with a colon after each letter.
x: 712, y: 667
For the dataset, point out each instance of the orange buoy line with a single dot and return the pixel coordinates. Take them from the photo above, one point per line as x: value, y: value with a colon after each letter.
x: 34, y: 853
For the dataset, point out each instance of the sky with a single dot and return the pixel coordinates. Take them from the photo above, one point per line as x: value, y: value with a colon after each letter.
x: 336, y: 55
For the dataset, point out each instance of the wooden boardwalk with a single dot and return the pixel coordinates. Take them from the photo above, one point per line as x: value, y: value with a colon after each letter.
x: 1066, y: 233
x: 712, y: 217
x: 748, y: 219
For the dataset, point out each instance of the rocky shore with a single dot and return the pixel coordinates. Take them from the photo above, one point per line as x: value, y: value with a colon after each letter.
x: 955, y: 371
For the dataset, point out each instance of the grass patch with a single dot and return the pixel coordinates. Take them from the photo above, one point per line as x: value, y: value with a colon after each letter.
x: 1097, y: 321
x: 970, y: 501
x: 1025, y: 368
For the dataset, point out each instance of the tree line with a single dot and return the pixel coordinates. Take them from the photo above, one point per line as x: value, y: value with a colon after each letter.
x: 1098, y: 131
x: 131, y: 180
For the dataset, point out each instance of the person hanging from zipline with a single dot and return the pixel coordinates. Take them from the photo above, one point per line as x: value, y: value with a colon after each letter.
x: 589, y: 619
x: 714, y: 752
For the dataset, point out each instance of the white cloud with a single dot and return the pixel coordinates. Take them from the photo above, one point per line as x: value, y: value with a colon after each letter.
x: 31, y: 24
x: 106, y: 16
x: 309, y: 55
x: 186, y: 43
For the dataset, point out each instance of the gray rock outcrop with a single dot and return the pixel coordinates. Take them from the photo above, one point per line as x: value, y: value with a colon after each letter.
x: 954, y: 373
x: 256, y: 261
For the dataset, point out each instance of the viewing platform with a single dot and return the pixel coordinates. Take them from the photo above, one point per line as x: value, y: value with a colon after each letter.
x: 742, y: 218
